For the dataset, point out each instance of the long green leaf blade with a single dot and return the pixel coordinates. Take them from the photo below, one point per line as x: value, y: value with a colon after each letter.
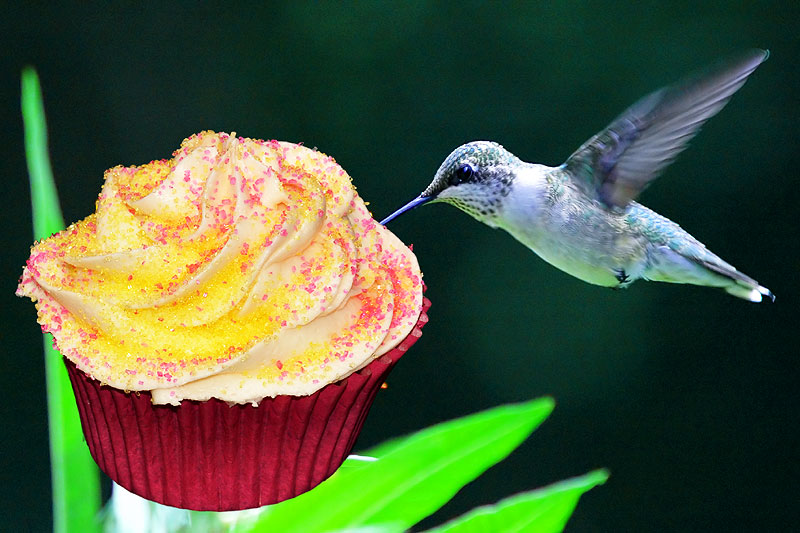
x: 544, y: 510
x: 75, y: 478
x: 47, y: 217
x: 413, y: 476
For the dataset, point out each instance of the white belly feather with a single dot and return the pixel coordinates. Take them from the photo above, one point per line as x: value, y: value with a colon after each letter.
x: 570, y: 232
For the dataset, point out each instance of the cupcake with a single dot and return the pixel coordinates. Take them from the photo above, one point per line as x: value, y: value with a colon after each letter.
x: 226, y: 317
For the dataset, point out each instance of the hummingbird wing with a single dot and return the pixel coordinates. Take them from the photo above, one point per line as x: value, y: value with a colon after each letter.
x: 620, y: 161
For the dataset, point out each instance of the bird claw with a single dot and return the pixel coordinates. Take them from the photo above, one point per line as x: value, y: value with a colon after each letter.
x: 621, y: 276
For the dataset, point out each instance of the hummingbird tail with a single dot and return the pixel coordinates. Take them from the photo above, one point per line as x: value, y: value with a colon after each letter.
x: 738, y: 285
x: 754, y: 295
x: 706, y: 269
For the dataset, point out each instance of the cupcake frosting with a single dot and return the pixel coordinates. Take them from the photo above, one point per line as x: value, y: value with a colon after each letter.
x: 237, y: 270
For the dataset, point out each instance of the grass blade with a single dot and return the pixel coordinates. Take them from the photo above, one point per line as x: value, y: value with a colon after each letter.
x: 75, y: 477
x: 47, y: 217
x: 544, y: 510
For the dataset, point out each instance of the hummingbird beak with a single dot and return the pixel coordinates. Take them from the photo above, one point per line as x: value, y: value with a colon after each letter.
x: 419, y: 200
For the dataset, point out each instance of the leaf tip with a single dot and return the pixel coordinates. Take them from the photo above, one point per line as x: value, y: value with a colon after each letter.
x: 545, y: 405
x: 599, y: 476
x: 29, y: 80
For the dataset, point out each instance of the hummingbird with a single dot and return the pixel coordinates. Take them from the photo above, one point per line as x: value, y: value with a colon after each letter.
x: 582, y: 217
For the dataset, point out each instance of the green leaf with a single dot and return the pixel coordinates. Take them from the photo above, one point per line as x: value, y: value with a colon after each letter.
x: 75, y: 477
x: 47, y: 217
x: 544, y: 510
x: 413, y: 476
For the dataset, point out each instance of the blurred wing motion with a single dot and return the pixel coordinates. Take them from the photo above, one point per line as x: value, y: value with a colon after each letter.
x: 620, y: 161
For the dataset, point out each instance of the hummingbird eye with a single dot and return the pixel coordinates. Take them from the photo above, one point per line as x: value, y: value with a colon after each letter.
x: 462, y: 174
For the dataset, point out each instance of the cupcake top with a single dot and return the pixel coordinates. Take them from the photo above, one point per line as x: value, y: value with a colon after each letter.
x: 236, y: 270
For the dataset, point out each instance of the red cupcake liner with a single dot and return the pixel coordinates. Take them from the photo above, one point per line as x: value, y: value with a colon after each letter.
x: 209, y: 456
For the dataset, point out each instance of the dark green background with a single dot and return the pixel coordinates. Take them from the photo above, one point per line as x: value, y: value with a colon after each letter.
x: 688, y: 395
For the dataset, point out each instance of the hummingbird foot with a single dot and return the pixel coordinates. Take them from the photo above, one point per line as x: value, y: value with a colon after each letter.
x: 622, y: 277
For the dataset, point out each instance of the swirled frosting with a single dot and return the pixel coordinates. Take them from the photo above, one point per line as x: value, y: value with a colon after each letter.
x: 238, y: 269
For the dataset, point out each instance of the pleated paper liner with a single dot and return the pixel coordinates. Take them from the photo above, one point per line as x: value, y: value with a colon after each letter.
x: 208, y: 456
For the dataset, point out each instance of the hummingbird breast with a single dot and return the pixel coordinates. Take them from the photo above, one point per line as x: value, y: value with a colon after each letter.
x: 571, y: 231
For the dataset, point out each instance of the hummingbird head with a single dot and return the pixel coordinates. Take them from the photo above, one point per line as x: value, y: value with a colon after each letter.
x: 475, y: 178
